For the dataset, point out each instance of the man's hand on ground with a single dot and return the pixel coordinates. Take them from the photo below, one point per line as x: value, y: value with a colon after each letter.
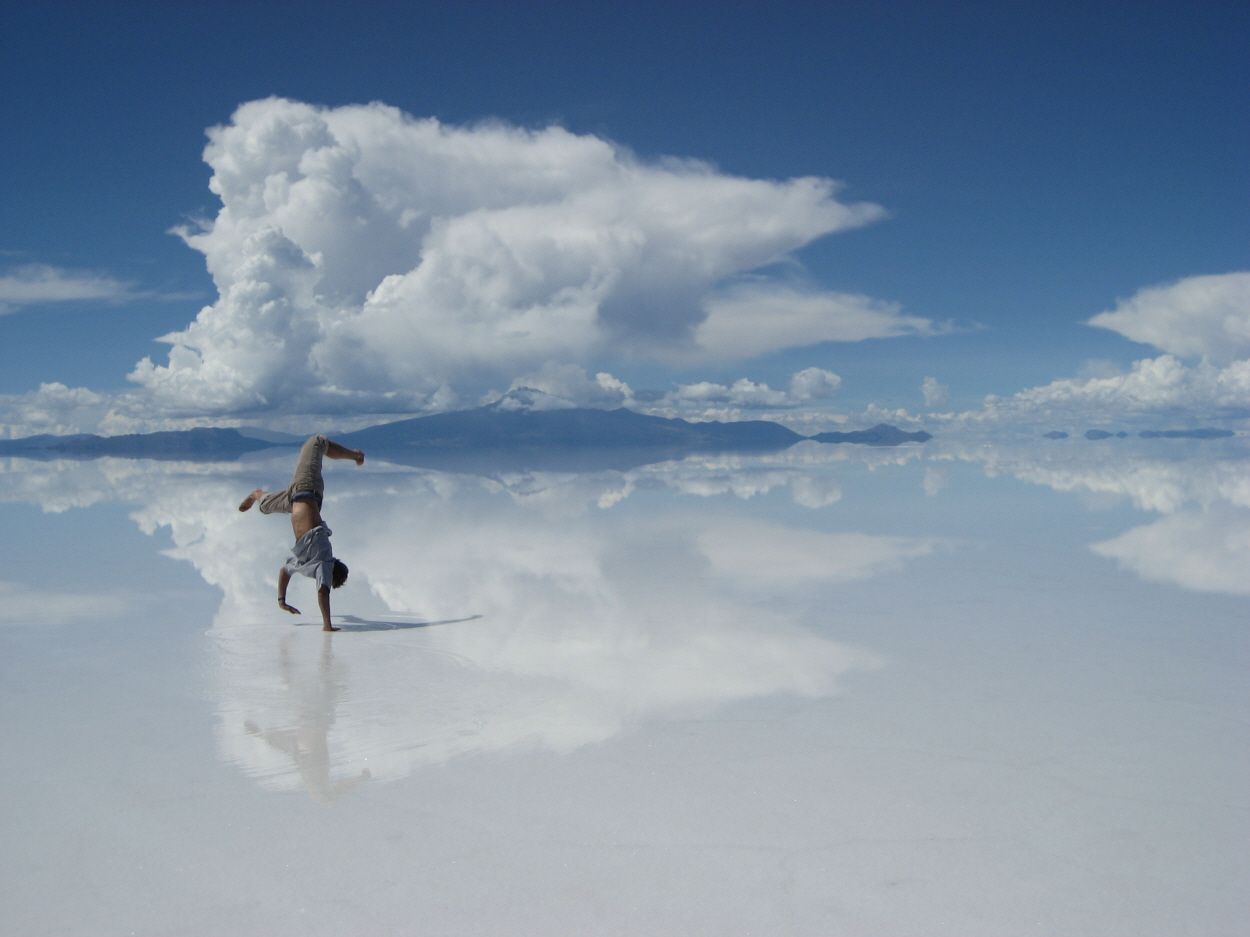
x: 287, y: 608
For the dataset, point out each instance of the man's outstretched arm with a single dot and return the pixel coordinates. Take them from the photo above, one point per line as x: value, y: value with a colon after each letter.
x: 284, y: 579
x: 323, y: 599
x: 335, y: 451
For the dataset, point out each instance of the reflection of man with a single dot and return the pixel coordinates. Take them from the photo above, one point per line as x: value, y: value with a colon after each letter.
x: 307, y: 742
x: 311, y: 555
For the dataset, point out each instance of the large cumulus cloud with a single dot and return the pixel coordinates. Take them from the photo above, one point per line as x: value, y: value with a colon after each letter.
x: 366, y: 258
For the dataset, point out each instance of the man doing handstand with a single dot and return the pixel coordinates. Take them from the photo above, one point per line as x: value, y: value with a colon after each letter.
x: 302, y: 499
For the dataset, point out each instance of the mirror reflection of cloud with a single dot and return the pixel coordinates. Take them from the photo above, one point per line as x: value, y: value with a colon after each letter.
x: 1202, y: 543
x: 584, y: 620
x: 60, y: 485
x: 808, y: 470
x: 591, y: 621
x: 1203, y: 551
x: 1157, y: 475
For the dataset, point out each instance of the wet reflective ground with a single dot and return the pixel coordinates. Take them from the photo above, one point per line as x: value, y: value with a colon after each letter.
x: 926, y: 690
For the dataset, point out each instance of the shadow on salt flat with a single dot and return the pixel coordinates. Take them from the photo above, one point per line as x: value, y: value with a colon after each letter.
x: 355, y: 623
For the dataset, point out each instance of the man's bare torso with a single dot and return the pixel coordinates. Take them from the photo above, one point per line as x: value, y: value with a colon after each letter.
x: 304, y: 517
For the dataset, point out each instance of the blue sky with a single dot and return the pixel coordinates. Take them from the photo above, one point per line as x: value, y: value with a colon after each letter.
x: 1036, y: 165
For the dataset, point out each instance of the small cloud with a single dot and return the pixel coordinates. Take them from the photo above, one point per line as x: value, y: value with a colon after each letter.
x: 39, y: 284
x: 44, y: 285
x: 935, y: 393
x: 814, y: 384
x: 758, y: 318
x: 936, y: 478
x: 815, y: 492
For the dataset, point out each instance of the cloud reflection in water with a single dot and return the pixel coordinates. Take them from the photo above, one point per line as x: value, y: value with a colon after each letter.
x: 573, y: 607
x: 568, y: 619
x: 590, y: 622
x: 1202, y: 489
x: 1205, y: 551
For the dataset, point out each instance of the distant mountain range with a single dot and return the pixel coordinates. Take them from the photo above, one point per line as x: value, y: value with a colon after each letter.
x: 493, y: 434
x: 493, y: 427
x: 174, y: 444
x: 883, y: 434
x: 525, y: 430
x: 571, y: 437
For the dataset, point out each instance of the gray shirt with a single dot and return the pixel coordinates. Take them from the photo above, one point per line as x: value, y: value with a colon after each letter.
x: 312, y: 556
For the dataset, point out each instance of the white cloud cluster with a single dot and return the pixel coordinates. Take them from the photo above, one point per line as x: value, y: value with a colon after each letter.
x: 367, y: 259
x: 809, y: 384
x: 54, y: 409
x: 1207, y: 316
x: 568, y: 385
x: 59, y: 410
x: 1162, y: 387
x: 708, y: 400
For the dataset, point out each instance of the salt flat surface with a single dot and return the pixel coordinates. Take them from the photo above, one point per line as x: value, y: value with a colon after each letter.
x: 940, y: 690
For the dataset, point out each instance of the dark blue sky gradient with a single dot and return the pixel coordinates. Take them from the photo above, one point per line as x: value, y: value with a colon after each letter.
x: 1038, y: 161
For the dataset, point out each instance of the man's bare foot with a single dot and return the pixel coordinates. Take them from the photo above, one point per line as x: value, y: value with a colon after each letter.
x: 330, y: 628
x: 251, y: 499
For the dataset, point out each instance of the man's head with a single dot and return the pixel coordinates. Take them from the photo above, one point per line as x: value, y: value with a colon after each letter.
x: 339, y: 576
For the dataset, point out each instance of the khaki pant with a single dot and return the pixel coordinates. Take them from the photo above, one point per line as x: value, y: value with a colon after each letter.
x: 306, y: 483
